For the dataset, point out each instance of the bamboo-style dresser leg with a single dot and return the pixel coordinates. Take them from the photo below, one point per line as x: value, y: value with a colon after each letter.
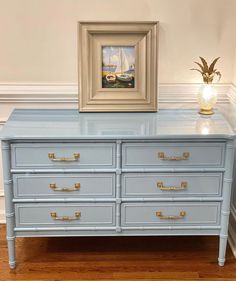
x: 9, y: 206
x: 225, y: 209
x: 222, y: 249
x: 11, y: 252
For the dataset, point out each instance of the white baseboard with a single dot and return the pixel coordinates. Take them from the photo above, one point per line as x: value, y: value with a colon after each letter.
x: 2, y: 209
x: 38, y: 93
x: 66, y: 96
x: 68, y: 93
x: 2, y: 217
x: 232, y: 94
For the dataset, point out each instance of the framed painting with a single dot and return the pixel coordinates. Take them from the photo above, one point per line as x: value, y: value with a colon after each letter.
x: 118, y: 66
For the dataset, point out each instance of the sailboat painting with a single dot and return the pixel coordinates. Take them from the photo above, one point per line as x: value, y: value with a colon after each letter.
x: 118, y: 67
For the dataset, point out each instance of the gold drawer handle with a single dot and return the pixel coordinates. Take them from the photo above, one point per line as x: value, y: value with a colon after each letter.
x: 183, y: 186
x: 66, y: 218
x: 54, y: 187
x: 185, y: 156
x: 181, y: 215
x: 53, y: 157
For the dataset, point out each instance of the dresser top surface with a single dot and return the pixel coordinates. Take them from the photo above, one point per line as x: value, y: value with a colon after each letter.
x: 69, y: 124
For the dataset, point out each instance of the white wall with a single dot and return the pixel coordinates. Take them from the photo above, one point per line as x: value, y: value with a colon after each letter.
x: 39, y: 38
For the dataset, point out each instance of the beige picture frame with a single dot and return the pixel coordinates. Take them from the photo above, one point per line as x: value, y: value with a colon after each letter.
x: 143, y: 37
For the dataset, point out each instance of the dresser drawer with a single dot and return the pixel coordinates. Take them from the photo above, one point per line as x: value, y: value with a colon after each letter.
x: 149, y: 214
x: 46, y: 215
x: 66, y: 185
x: 174, y: 184
x: 62, y: 155
x: 138, y: 155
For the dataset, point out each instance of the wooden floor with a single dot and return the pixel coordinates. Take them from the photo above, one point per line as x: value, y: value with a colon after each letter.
x: 113, y: 258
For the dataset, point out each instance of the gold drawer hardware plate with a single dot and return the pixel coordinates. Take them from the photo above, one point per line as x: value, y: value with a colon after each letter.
x: 181, y: 215
x: 53, y: 157
x: 183, y: 186
x: 54, y: 187
x: 66, y: 218
x: 185, y: 156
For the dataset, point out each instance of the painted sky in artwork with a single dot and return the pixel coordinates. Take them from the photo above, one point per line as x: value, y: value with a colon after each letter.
x: 110, y: 54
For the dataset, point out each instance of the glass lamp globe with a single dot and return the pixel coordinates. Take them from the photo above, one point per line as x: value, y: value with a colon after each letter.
x: 207, y: 97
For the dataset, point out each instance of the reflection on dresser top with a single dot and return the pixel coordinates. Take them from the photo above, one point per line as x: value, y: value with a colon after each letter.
x: 64, y: 124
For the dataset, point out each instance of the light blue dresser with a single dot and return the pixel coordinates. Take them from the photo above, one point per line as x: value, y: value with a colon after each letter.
x: 116, y: 174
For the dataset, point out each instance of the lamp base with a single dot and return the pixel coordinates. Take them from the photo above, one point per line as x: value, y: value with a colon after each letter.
x: 206, y: 111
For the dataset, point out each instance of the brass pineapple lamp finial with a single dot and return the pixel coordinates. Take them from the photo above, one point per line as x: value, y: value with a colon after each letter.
x: 207, y: 95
